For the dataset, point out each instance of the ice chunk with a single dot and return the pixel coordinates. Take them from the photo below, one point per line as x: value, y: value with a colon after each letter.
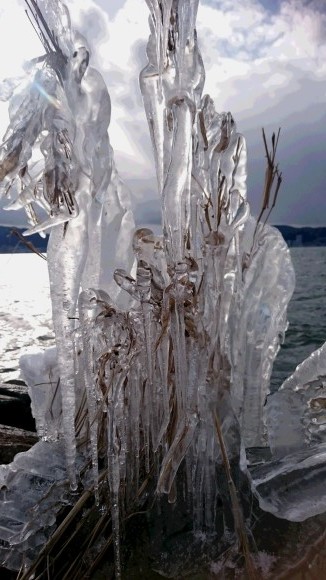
x: 293, y: 487
x: 296, y: 414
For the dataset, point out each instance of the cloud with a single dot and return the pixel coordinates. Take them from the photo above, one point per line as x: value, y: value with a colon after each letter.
x: 270, y: 71
x: 18, y: 41
x: 253, y: 56
x: 119, y: 52
x: 265, y: 61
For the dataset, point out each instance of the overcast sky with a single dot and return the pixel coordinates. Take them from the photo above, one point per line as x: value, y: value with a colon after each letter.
x: 265, y: 61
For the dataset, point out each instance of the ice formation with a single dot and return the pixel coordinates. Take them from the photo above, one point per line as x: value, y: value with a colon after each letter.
x: 181, y: 374
x: 62, y: 114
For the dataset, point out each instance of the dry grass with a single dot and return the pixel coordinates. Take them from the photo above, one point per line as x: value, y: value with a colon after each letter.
x: 27, y: 243
x: 239, y: 522
x: 271, y: 173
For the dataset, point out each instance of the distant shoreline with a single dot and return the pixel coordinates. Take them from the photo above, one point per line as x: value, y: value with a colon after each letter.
x: 304, y: 236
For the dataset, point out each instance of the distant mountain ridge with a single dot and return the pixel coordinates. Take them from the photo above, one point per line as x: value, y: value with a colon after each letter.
x: 303, y: 236
x: 11, y: 242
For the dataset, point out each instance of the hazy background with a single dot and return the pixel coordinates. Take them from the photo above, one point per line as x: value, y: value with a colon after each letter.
x: 265, y: 61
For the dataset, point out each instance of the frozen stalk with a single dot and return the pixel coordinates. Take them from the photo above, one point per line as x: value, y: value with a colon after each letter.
x: 88, y: 309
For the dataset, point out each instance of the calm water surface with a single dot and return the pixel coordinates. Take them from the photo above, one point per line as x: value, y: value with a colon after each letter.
x: 306, y: 312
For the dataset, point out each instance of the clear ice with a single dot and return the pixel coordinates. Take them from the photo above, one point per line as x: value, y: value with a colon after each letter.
x: 170, y: 340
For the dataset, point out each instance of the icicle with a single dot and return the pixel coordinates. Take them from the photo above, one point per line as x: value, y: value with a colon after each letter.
x: 65, y: 268
x: 87, y: 311
x: 176, y: 453
x: 163, y: 379
x: 155, y: 111
x: 144, y: 290
x: 179, y: 296
x: 114, y: 409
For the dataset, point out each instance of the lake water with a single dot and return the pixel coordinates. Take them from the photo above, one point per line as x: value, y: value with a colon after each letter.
x: 306, y: 312
x: 25, y: 311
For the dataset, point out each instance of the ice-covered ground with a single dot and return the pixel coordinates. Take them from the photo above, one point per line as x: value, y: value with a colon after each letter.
x: 25, y: 309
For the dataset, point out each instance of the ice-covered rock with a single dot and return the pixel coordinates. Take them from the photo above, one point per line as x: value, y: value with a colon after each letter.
x: 40, y: 372
x: 34, y: 487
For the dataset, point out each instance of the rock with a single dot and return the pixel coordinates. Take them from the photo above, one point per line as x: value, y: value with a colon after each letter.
x: 13, y: 440
x: 15, y: 409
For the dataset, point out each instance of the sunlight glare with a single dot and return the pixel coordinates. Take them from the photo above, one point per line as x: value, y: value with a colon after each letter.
x: 18, y: 44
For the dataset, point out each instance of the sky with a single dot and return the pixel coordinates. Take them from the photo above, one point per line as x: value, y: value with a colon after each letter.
x: 265, y: 62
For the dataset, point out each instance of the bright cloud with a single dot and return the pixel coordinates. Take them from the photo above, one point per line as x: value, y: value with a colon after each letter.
x: 250, y: 52
x: 119, y: 53
x: 18, y: 41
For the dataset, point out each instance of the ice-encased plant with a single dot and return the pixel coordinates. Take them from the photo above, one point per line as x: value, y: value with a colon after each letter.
x: 164, y: 364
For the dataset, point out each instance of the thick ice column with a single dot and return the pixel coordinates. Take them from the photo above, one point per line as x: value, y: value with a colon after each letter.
x: 72, y: 244
x: 71, y: 104
x: 171, y: 85
x: 110, y: 228
x: 176, y: 190
x: 67, y: 252
x: 50, y: 109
